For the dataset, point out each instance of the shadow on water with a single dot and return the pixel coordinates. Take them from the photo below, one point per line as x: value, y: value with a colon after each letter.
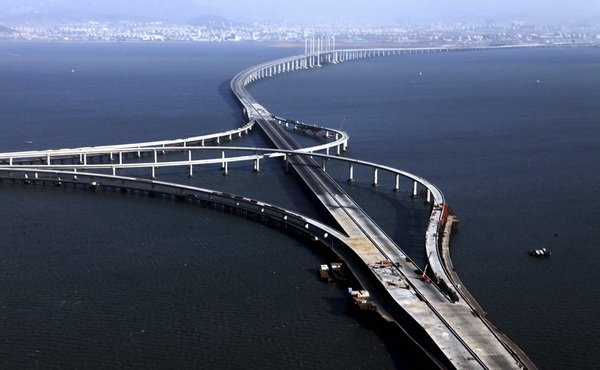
x: 404, y: 353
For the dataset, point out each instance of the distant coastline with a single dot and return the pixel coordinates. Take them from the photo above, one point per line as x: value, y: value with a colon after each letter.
x: 461, y: 35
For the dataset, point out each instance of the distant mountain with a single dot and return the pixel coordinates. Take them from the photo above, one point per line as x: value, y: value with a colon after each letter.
x: 214, y: 21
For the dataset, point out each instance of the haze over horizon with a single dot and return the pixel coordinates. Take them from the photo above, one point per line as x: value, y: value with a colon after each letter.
x: 351, y: 12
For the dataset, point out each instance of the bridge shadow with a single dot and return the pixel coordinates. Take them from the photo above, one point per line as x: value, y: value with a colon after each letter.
x: 404, y: 353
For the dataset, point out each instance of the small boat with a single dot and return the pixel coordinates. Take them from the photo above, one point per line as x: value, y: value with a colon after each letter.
x: 362, y: 300
x: 325, y: 273
x: 540, y: 253
x: 332, y: 272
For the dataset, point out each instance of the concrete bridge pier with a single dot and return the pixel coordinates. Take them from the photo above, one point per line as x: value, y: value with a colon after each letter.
x: 257, y: 165
x: 191, y: 169
x: 223, y: 162
x: 375, y: 177
x: 225, y: 169
x: 414, y: 192
x: 397, y: 185
x: 351, y: 172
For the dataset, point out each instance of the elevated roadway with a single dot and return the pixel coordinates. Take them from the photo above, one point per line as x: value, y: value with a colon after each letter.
x: 459, y: 332
x: 446, y: 323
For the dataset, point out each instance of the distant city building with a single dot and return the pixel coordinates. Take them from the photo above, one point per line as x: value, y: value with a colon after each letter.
x: 457, y: 34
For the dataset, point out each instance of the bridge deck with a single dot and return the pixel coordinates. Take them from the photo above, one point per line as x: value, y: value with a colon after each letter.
x: 461, y: 335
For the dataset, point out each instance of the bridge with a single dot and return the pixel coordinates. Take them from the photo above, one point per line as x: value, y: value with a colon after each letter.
x: 436, y: 312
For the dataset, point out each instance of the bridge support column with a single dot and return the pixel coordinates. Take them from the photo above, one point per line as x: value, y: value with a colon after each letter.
x: 74, y: 173
x: 218, y: 141
x: 48, y: 159
x: 223, y: 163
x: 414, y: 192
x: 155, y: 156
x: 338, y: 149
x: 257, y: 165
x: 323, y: 161
x: 351, y: 172
x: 397, y: 186
x: 114, y: 171
x: 202, y: 142
x: 225, y: 169
x: 428, y: 200
x: 10, y: 161
x: 84, y: 159
x: 190, y: 173
x: 110, y: 156
x: 375, y: 177
x: 153, y: 172
x: 327, y: 150
x: 120, y: 157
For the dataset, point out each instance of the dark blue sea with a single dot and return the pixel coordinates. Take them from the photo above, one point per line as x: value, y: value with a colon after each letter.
x: 92, y: 280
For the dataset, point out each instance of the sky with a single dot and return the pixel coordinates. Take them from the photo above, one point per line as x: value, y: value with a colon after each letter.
x: 373, y: 12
